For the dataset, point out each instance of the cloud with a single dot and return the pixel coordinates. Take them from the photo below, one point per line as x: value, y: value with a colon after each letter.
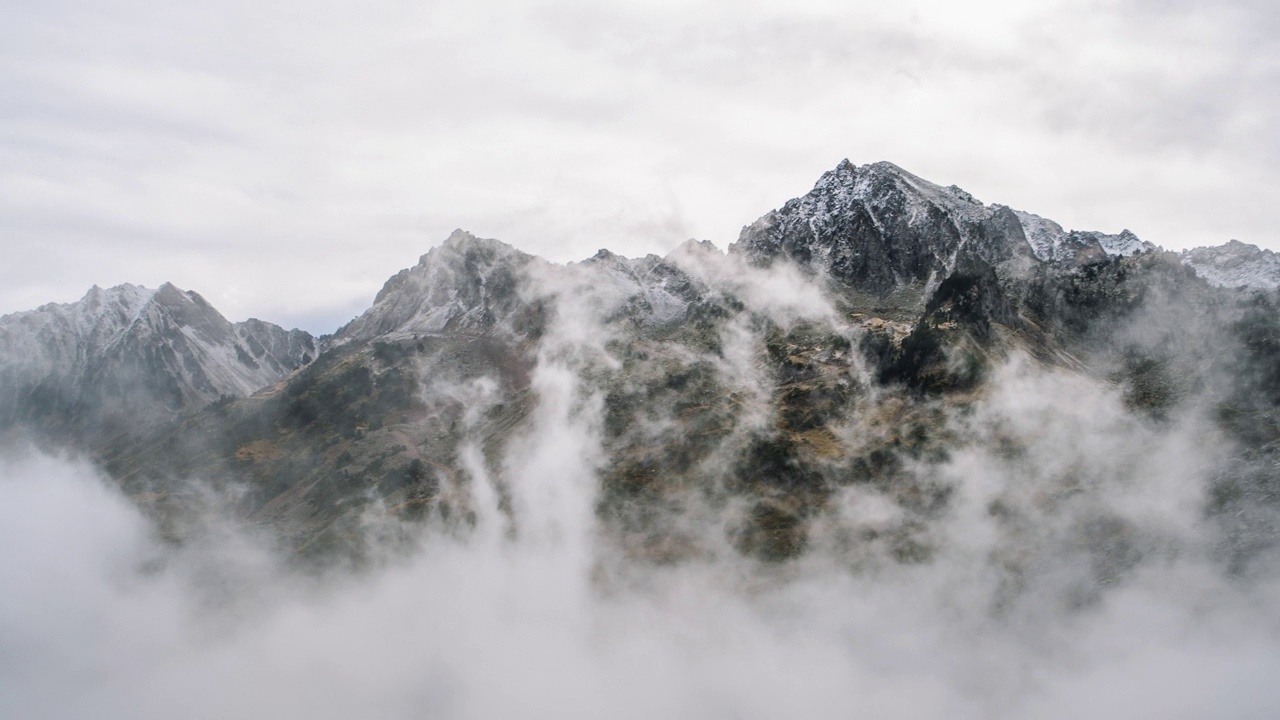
x: 283, y: 161
x: 94, y: 624
x: 1071, y: 572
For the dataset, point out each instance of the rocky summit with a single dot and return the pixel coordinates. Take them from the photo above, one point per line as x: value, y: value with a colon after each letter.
x: 859, y: 341
x: 131, y: 357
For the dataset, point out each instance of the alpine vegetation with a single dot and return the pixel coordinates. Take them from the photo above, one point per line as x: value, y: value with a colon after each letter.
x: 894, y: 453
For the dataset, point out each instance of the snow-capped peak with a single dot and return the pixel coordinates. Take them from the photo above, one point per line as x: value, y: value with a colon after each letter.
x: 465, y: 281
x: 135, y: 343
x: 877, y: 228
x: 1235, y: 264
x: 1051, y: 243
x: 875, y: 181
x: 1123, y: 244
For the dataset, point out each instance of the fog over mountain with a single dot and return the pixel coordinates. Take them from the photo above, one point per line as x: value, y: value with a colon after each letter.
x: 895, y: 453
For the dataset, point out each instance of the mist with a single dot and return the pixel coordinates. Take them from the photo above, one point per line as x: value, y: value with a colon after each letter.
x: 1071, y: 572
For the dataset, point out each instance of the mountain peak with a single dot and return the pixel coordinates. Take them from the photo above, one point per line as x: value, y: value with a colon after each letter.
x: 1235, y: 264
x: 1237, y: 247
x: 885, y: 167
x: 463, y: 241
x: 884, y: 182
x: 133, y: 355
x: 693, y: 247
x: 848, y: 167
x: 121, y: 290
x: 460, y: 237
x: 454, y: 284
x: 877, y: 229
x: 170, y: 295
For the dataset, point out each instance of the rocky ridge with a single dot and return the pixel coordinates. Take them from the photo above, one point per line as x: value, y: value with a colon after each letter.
x: 135, y: 355
x: 1235, y: 264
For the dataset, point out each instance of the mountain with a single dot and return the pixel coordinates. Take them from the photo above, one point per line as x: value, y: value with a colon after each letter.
x: 882, y: 233
x: 1235, y: 264
x: 1050, y: 242
x: 471, y: 285
x: 850, y: 343
x: 466, y: 284
x: 892, y: 438
x: 882, y: 230
x: 128, y: 357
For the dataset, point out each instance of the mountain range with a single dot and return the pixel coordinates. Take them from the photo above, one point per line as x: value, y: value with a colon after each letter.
x: 131, y: 356
x: 844, y: 340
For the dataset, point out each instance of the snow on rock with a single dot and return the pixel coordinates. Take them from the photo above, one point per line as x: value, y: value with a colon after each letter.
x: 467, y: 283
x: 1124, y: 244
x: 1235, y: 264
x: 878, y: 228
x: 481, y: 285
x: 141, y: 345
x: 1043, y: 235
x: 650, y: 289
x: 1051, y: 243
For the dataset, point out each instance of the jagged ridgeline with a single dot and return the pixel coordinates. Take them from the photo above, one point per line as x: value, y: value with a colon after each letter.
x: 129, y: 358
x: 842, y: 357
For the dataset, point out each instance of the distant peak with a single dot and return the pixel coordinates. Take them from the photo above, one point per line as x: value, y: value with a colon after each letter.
x: 1232, y: 247
x: 843, y: 174
x: 693, y: 245
x: 130, y: 295
x: 463, y: 239
x: 886, y: 166
x: 459, y: 236
x: 847, y: 174
x: 847, y: 166
x: 1235, y: 264
x: 121, y: 288
x: 846, y: 169
x: 168, y: 292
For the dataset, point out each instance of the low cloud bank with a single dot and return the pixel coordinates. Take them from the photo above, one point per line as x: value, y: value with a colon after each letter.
x: 1074, y: 576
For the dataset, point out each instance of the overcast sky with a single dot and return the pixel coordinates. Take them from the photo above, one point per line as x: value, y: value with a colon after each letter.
x: 284, y: 158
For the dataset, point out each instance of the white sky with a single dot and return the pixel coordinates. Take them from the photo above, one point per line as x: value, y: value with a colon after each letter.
x: 284, y: 158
